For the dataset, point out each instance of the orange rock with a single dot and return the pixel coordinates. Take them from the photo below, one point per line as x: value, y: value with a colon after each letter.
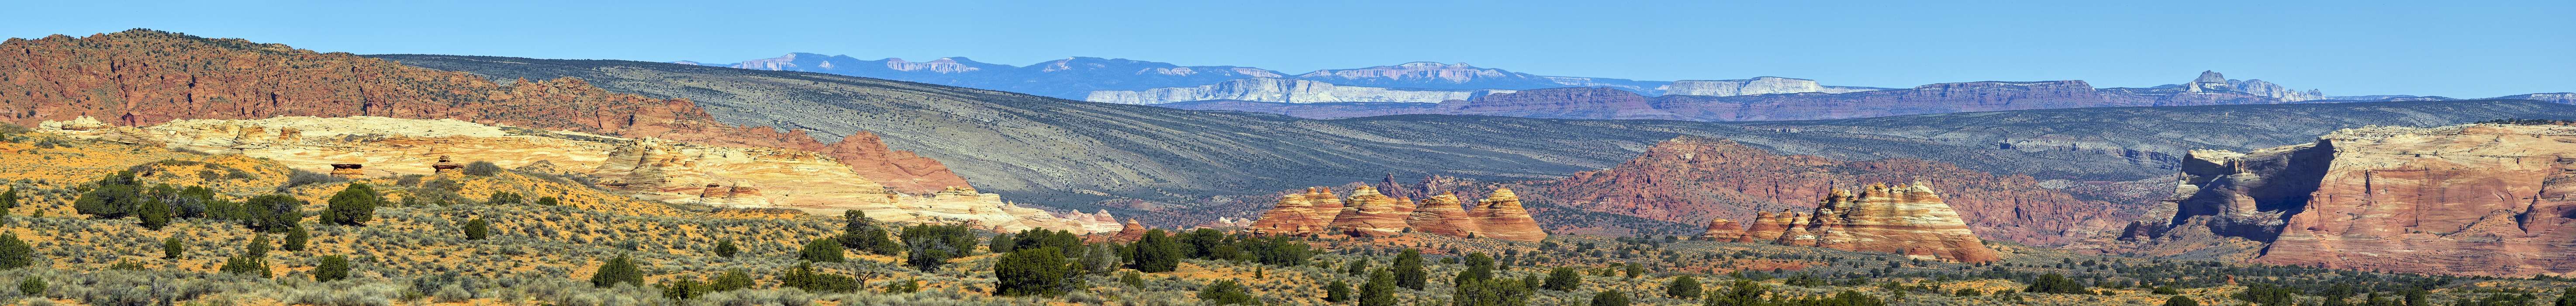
x: 1440, y: 215
x: 1908, y: 220
x: 1721, y: 229
x: 1293, y: 215
x: 1372, y: 215
x: 1500, y: 216
x: 2478, y: 199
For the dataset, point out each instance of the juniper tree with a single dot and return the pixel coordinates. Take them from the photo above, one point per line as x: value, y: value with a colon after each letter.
x: 331, y: 268
x: 1039, y: 271
x: 1227, y: 292
x: 477, y: 229
x: 15, y: 253
x: 1380, y: 289
x: 296, y: 237
x: 821, y: 250
x: 171, y: 248
x: 353, y: 205
x: 1610, y: 298
x: 1684, y: 287
x: 617, y: 270
x: 1157, y: 252
x: 1409, y: 272
x: 1563, y: 279
x: 726, y: 249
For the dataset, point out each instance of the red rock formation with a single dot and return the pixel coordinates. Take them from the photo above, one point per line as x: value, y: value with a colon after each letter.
x: 1767, y: 226
x: 1327, y: 206
x: 1908, y: 220
x: 2477, y: 199
x: 1372, y: 215
x: 1692, y: 179
x: 1293, y: 215
x: 143, y: 77
x: 1440, y: 215
x: 1500, y: 216
x: 1721, y: 229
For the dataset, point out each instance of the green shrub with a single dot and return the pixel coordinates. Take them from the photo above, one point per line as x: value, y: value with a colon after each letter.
x: 15, y: 253
x: 486, y: 168
x: 477, y: 229
x: 930, y: 246
x: 726, y: 249
x: 1563, y: 279
x: 154, y: 210
x: 172, y: 248
x: 1409, y: 272
x: 2184, y: 301
x: 296, y: 237
x: 2056, y: 283
x: 733, y: 279
x: 1380, y: 289
x: 1610, y: 298
x: 682, y: 288
x: 32, y: 286
x: 1686, y: 287
x: 8, y: 200
x: 1157, y: 252
x: 549, y: 201
x: 250, y: 265
x: 821, y: 250
x: 504, y: 198
x: 353, y: 205
x: 272, y: 212
x: 1133, y: 279
x: 617, y: 270
x: 1337, y: 292
x: 1039, y: 271
x: 333, y: 267
x: 805, y: 277
x: 1227, y: 292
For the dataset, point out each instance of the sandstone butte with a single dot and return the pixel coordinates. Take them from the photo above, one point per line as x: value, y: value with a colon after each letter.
x: 1908, y: 219
x: 1691, y: 179
x: 1371, y: 214
x: 2477, y: 199
x: 145, y: 77
x: 655, y: 169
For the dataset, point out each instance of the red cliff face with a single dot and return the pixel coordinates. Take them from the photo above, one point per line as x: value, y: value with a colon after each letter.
x: 143, y: 77
x: 1693, y: 179
x: 2477, y: 199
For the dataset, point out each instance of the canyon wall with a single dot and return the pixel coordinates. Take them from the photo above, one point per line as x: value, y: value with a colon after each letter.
x: 2478, y: 199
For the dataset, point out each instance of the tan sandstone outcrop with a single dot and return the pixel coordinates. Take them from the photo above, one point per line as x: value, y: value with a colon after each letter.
x: 2479, y: 199
x: 1441, y: 215
x: 1908, y: 219
x: 1372, y: 214
x: 657, y: 169
x: 1721, y: 229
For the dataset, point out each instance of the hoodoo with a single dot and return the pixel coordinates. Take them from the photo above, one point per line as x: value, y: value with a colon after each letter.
x: 1908, y: 219
x: 1372, y: 214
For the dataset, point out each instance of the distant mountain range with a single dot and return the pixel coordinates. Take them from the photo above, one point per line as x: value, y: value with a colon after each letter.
x: 1128, y: 81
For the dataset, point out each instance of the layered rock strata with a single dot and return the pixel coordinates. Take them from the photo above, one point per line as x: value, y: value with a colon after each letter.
x: 1908, y: 219
x: 1692, y: 179
x: 1372, y: 214
x: 657, y: 169
x: 144, y: 77
x: 2479, y: 199
x: 1721, y: 229
x: 1754, y: 86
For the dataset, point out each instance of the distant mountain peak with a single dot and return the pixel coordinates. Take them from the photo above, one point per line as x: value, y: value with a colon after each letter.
x: 1434, y: 65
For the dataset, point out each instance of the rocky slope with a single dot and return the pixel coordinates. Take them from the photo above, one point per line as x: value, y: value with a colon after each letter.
x: 1692, y: 179
x: 2478, y: 199
x: 1754, y: 86
x: 1372, y: 214
x: 1905, y: 219
x: 1309, y: 110
x: 655, y: 169
x: 145, y: 77
x: 1283, y: 91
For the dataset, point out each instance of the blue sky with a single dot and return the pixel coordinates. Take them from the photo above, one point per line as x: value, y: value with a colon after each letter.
x: 2462, y: 49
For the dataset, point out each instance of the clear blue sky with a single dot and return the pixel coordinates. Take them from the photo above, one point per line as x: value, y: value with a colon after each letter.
x: 2462, y: 49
